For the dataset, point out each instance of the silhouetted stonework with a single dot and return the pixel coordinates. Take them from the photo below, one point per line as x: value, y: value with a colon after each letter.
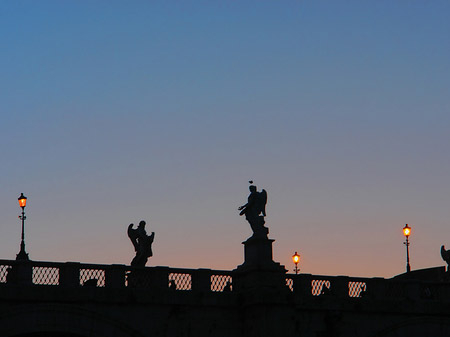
x: 255, y: 300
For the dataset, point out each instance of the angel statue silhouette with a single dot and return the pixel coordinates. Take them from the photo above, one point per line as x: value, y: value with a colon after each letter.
x: 142, y: 244
x: 255, y: 211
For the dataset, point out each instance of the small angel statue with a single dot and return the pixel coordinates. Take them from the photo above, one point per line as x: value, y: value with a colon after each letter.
x: 255, y: 211
x: 142, y: 244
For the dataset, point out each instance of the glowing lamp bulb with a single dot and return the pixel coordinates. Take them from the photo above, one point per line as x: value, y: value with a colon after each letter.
x: 296, y: 258
x: 22, y: 200
x: 406, y: 230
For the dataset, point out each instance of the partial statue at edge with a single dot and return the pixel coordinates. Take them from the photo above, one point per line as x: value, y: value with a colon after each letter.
x: 255, y: 211
x: 445, y: 256
x: 142, y: 244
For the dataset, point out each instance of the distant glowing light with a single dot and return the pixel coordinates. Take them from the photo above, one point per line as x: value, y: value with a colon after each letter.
x: 22, y: 200
x: 296, y: 258
x: 406, y: 230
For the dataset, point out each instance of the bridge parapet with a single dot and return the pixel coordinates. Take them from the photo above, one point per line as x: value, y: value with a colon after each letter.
x: 75, y: 274
x: 302, y: 286
x: 344, y: 287
x: 57, y: 296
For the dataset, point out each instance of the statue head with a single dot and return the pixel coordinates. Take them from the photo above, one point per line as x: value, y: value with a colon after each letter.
x: 142, y: 224
x: 252, y: 188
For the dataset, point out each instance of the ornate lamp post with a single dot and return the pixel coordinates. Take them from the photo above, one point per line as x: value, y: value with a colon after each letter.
x: 407, y: 233
x: 296, y: 260
x: 23, y: 256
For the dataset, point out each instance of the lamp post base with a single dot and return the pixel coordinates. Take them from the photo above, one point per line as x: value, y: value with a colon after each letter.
x: 22, y: 256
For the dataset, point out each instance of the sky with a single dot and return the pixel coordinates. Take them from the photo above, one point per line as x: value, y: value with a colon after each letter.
x: 114, y: 112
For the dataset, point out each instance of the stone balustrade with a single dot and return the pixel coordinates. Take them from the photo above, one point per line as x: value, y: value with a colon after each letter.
x: 302, y: 286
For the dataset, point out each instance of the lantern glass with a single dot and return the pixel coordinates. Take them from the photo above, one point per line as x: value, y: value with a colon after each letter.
x: 296, y: 258
x: 406, y: 230
x: 22, y: 200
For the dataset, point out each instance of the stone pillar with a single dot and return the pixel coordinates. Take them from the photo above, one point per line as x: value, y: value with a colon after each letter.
x: 259, y: 269
x: 21, y: 273
x: 201, y: 280
x: 115, y: 276
x: 302, y: 286
x: 339, y: 287
x: 69, y: 274
x: 160, y: 276
x: 261, y: 284
x: 376, y: 288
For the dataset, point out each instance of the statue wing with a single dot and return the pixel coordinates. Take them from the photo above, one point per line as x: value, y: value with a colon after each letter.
x: 149, y: 241
x: 133, y: 236
x: 445, y: 254
x: 262, y: 202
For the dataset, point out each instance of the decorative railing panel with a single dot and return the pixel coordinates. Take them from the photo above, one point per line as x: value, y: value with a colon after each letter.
x: 4, y: 269
x: 290, y: 283
x: 320, y: 287
x: 92, y: 277
x: 356, y: 288
x: 72, y: 274
x: 46, y: 276
x: 221, y: 283
x: 180, y: 281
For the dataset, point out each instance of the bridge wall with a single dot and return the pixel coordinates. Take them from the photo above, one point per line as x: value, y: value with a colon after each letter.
x: 39, y: 297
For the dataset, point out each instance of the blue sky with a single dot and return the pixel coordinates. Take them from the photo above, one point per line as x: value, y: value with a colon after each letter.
x: 113, y: 112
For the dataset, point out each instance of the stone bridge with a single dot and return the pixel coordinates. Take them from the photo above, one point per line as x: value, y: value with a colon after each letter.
x: 256, y: 299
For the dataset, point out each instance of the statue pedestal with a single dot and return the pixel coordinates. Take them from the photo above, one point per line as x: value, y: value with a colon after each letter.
x: 259, y: 270
x: 261, y: 284
x: 258, y: 252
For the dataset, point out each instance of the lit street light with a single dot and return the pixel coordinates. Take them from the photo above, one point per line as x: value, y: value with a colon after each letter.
x: 407, y: 233
x: 23, y: 256
x: 296, y: 259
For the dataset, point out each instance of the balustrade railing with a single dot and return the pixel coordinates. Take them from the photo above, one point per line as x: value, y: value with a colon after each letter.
x: 45, y: 275
x: 315, y: 286
x: 290, y: 283
x: 74, y: 274
x: 343, y: 286
x: 221, y: 281
x: 180, y: 281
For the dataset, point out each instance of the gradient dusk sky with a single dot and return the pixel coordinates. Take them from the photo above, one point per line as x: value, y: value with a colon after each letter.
x: 117, y: 111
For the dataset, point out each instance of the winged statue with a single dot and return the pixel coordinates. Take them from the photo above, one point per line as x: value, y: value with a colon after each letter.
x: 142, y: 244
x: 255, y: 211
x: 445, y: 255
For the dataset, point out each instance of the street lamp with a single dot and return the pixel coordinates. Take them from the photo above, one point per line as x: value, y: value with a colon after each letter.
x: 22, y: 256
x: 296, y: 260
x: 407, y: 233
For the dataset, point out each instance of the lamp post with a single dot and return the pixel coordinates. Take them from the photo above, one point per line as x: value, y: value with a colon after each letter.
x: 296, y: 260
x: 407, y: 233
x: 22, y: 256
